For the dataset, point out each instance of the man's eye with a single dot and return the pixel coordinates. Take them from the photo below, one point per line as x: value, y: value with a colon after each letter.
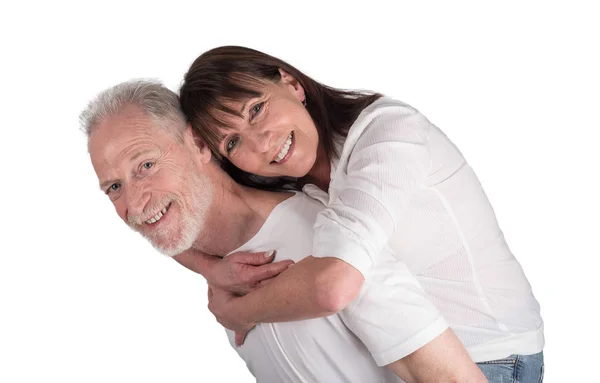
x: 148, y: 165
x: 113, y: 188
x: 231, y: 144
x: 256, y: 109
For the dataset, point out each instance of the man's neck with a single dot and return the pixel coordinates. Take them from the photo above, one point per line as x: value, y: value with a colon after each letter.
x: 236, y: 215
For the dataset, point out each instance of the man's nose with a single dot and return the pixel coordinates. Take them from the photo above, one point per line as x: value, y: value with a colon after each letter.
x: 137, y: 199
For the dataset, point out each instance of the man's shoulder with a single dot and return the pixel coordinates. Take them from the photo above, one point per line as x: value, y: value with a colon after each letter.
x: 288, y: 228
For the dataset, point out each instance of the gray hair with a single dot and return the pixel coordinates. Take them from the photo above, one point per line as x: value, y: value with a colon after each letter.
x: 151, y: 96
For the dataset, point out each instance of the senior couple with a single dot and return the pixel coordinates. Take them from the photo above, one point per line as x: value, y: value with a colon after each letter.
x: 343, y: 236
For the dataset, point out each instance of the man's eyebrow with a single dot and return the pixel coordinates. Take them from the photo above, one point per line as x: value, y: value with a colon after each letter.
x: 140, y: 153
x: 104, y: 185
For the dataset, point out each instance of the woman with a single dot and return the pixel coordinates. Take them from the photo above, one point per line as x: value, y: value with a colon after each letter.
x: 393, y: 178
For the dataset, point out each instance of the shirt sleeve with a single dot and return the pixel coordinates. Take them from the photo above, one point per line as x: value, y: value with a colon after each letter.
x: 392, y: 315
x: 386, y: 164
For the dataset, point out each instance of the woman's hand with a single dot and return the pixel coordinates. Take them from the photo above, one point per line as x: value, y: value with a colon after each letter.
x: 238, y: 273
x: 221, y: 304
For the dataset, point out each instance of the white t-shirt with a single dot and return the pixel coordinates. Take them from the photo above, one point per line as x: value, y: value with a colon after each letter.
x: 400, y: 182
x: 330, y: 349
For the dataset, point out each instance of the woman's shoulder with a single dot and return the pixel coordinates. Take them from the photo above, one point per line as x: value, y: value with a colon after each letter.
x: 386, y: 106
x: 382, y: 127
x: 388, y: 119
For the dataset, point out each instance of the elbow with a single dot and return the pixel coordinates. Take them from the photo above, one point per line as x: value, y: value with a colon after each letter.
x: 333, y: 302
x: 337, y: 285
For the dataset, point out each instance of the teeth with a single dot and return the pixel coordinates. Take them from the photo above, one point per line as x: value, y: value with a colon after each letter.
x: 157, y: 217
x: 285, y: 149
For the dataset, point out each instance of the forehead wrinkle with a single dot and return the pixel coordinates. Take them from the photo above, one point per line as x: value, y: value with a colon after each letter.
x: 133, y: 148
x: 121, y: 138
x: 141, y: 153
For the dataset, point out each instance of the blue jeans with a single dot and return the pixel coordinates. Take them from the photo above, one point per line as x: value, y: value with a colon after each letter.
x: 514, y: 369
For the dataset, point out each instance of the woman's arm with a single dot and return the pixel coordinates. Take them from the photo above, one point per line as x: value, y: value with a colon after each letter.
x: 311, y: 288
x: 237, y: 273
x: 444, y: 359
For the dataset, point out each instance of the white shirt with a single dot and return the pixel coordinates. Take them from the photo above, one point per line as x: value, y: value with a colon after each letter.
x: 401, y: 182
x: 392, y: 316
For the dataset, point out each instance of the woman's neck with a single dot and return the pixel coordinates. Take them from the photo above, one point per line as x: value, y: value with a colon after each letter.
x: 320, y: 174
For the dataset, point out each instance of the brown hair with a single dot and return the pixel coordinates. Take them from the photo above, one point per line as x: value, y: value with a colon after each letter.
x: 233, y: 73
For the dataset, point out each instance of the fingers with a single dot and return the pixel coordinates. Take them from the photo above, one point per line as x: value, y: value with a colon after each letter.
x: 254, y: 259
x: 264, y: 282
x: 271, y: 270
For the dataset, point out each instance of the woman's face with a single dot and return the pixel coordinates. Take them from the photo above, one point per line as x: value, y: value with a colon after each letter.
x: 276, y: 135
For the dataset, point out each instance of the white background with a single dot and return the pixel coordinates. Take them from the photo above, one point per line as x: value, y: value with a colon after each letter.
x: 84, y: 299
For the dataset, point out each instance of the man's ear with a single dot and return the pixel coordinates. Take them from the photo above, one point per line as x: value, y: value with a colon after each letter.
x: 292, y: 83
x: 199, y: 146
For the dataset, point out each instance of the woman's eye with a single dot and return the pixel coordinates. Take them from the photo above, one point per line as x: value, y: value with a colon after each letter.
x: 147, y: 165
x: 231, y: 144
x: 256, y: 109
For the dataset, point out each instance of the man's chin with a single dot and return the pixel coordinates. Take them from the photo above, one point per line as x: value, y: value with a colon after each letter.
x: 168, y: 246
x: 170, y: 249
x: 170, y: 240
x: 170, y: 252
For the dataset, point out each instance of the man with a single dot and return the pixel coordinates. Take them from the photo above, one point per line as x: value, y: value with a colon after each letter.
x: 164, y: 184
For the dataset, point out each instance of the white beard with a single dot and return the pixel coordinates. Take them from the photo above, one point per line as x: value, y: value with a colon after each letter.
x: 179, y: 236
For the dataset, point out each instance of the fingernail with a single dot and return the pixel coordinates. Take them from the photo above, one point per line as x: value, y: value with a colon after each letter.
x: 268, y: 254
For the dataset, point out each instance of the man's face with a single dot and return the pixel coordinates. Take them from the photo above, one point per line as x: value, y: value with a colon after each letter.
x: 153, y: 180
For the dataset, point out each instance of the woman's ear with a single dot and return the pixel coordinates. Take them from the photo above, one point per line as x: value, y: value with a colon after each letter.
x: 199, y: 146
x: 291, y: 83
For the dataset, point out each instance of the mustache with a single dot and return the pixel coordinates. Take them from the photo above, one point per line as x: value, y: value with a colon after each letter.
x: 150, y: 211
